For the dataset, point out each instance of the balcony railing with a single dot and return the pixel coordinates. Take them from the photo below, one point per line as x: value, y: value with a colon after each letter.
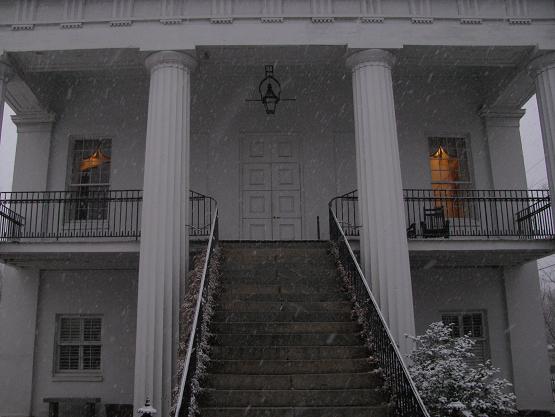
x: 524, y: 214
x: 91, y: 213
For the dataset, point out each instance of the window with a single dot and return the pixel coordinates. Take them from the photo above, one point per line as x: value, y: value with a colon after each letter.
x: 89, y: 180
x: 78, y: 344
x: 450, y: 172
x: 472, y: 324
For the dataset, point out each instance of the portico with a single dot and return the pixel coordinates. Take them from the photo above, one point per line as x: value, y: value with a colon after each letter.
x: 370, y: 109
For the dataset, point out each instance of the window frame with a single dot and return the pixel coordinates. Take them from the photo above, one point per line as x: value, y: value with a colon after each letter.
x: 72, y: 215
x: 484, y: 340
x: 80, y: 374
x: 468, y: 183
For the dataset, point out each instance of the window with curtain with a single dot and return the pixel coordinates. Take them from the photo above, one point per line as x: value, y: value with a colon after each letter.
x: 450, y: 172
x: 89, y: 182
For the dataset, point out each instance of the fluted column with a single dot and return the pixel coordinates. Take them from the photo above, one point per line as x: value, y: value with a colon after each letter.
x: 543, y: 70
x: 384, y: 248
x: 5, y: 74
x: 164, y: 239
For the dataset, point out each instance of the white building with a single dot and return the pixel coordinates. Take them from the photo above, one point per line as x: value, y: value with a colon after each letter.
x: 414, y: 103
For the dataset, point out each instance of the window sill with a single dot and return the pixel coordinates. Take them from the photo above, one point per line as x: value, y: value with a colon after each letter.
x: 77, y: 378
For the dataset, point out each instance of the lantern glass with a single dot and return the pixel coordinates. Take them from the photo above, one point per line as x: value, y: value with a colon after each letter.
x: 270, y: 100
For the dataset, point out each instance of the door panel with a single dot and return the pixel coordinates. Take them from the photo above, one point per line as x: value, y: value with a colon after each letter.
x: 285, y: 149
x: 257, y: 204
x: 285, y: 176
x: 257, y: 177
x: 256, y: 149
x: 286, y: 229
x: 257, y: 229
x: 286, y: 204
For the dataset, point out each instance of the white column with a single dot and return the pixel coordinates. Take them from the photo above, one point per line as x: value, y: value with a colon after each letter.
x: 5, y: 74
x: 18, y: 312
x: 543, y: 70
x: 164, y: 238
x: 527, y: 338
x: 384, y: 247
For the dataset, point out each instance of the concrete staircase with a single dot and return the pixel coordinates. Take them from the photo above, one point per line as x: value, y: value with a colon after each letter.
x: 284, y: 343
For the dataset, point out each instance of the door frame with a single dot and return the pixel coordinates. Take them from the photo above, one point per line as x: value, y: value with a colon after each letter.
x: 295, y: 135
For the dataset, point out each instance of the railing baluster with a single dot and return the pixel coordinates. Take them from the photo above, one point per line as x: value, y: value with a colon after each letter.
x: 483, y: 213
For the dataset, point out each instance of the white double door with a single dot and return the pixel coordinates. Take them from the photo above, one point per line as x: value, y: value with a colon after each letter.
x: 270, y: 188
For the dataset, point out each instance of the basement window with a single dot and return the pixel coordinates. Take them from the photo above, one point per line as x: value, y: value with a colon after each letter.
x: 472, y: 324
x: 78, y: 345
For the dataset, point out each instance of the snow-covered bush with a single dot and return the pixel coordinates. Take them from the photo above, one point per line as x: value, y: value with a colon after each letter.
x: 448, y: 383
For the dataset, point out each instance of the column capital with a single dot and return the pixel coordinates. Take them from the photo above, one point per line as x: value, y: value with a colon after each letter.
x: 33, y: 120
x: 169, y: 59
x: 6, y: 70
x: 502, y: 116
x: 371, y: 57
x: 541, y: 64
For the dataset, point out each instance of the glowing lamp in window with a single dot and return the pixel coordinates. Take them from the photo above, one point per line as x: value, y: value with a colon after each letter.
x: 96, y: 159
x: 444, y: 167
x: 445, y: 174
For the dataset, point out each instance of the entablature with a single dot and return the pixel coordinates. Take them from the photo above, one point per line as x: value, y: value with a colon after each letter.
x: 177, y: 24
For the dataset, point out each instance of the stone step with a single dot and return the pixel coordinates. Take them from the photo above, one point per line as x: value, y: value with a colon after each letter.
x: 371, y: 379
x: 278, y: 260
x: 290, y: 297
x: 285, y: 328
x: 264, y: 306
x: 376, y: 411
x: 288, y: 352
x: 278, y: 287
x: 290, y: 278
x: 316, y: 339
x: 297, y: 316
x: 293, y: 245
x: 292, y: 398
x: 277, y: 367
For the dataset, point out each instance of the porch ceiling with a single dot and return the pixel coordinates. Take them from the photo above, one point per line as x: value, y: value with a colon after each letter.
x: 502, y: 69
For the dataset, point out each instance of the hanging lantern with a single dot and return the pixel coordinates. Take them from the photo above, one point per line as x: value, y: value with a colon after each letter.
x: 94, y: 160
x: 270, y: 91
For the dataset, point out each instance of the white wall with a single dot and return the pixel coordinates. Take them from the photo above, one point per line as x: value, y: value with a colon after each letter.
x: 321, y: 120
x: 107, y: 106
x: 112, y: 294
x: 437, y: 290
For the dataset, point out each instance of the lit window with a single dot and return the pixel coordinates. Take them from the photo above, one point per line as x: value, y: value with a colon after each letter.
x: 78, y: 344
x: 449, y: 169
x: 89, y: 180
x: 472, y: 324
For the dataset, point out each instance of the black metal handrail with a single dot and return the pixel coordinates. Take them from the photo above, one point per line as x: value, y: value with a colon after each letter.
x: 525, y: 214
x: 94, y: 212
x: 404, y: 395
x: 195, y: 337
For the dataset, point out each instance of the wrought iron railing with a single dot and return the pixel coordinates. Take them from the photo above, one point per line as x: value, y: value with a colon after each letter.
x: 186, y: 387
x: 524, y: 214
x: 88, y: 213
x: 405, y: 398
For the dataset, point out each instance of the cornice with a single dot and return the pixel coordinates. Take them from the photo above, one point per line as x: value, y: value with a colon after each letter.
x: 28, y: 14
